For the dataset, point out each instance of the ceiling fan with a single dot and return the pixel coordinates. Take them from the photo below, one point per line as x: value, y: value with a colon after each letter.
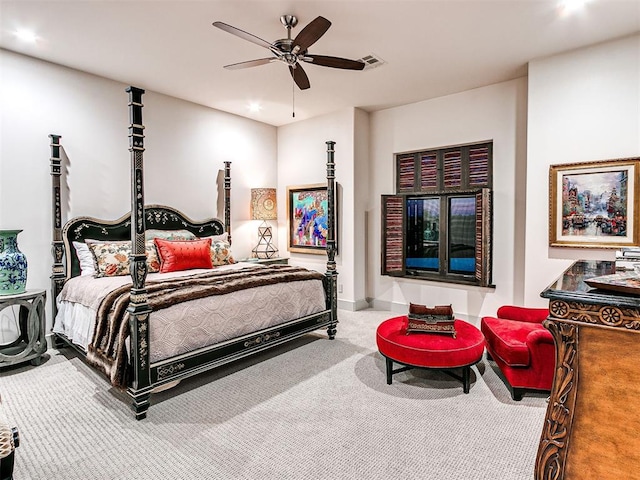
x: 293, y: 51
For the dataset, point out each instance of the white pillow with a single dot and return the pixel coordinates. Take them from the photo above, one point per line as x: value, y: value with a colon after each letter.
x: 219, y: 238
x: 87, y: 265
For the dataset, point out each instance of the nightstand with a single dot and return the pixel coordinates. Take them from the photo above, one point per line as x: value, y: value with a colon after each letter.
x: 268, y: 261
x: 31, y: 342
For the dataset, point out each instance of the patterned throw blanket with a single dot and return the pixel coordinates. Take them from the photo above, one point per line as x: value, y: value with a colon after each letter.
x: 107, y: 350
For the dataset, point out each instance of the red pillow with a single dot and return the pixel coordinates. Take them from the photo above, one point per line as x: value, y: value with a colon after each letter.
x: 176, y: 255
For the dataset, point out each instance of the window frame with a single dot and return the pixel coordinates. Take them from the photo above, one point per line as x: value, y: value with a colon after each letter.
x: 414, y: 182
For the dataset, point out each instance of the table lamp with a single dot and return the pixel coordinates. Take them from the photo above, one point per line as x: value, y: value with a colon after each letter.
x: 263, y: 207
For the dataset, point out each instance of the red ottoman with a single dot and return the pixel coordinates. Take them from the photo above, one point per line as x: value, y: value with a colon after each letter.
x: 430, y: 350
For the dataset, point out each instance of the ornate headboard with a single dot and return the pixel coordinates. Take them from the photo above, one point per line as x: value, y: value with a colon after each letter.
x: 157, y: 217
x: 65, y: 261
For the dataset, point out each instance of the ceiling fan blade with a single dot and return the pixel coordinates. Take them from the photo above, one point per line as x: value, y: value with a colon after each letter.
x: 311, y: 34
x: 250, y: 63
x: 242, y: 34
x: 335, y: 62
x: 300, y: 77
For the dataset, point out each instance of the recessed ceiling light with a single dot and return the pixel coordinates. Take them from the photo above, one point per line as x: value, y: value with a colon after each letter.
x: 254, y: 107
x: 26, y: 35
x: 570, y: 6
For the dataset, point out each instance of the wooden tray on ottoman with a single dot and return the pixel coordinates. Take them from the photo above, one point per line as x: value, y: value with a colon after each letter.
x: 439, y: 319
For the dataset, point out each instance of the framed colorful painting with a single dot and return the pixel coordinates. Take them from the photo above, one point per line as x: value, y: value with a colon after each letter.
x: 307, y: 218
x: 594, y: 204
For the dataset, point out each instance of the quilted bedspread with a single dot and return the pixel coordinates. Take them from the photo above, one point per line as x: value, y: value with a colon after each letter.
x: 202, y: 309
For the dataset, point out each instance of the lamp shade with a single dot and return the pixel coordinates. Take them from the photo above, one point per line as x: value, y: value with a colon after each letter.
x: 263, y: 204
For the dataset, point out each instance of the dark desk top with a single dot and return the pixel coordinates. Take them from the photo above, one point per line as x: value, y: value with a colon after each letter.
x: 570, y: 285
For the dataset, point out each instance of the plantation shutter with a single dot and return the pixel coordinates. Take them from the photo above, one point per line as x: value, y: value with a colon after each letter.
x: 483, y: 238
x: 393, y: 235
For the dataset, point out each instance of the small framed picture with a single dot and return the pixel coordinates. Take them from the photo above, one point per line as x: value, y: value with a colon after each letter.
x: 307, y: 217
x: 594, y: 204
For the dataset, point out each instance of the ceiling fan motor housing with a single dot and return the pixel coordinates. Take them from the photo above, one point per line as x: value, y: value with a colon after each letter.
x: 289, y: 21
x: 284, y: 44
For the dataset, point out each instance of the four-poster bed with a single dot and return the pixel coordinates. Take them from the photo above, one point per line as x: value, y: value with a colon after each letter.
x: 126, y: 347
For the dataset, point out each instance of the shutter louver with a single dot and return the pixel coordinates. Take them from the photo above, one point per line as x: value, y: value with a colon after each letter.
x: 452, y: 169
x: 406, y: 173
x: 429, y: 171
x: 479, y: 166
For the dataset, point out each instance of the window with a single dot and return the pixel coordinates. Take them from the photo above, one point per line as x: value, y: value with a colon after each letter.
x: 438, y: 225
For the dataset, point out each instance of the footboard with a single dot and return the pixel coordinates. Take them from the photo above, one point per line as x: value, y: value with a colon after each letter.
x: 193, y: 363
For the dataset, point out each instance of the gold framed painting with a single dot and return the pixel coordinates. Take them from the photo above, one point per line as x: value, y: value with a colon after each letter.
x: 307, y: 217
x: 594, y: 204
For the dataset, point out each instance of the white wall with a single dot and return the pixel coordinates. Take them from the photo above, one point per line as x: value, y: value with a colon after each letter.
x: 362, y: 169
x: 302, y: 160
x: 583, y: 106
x: 186, y: 145
x: 496, y: 112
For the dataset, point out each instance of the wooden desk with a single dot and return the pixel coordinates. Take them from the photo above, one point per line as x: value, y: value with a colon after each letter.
x: 592, y: 425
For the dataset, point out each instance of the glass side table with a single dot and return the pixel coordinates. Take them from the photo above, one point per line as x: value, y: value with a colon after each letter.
x: 31, y: 342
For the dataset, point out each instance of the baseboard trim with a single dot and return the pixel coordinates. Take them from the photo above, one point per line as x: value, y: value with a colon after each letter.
x: 353, y: 306
x: 396, y: 307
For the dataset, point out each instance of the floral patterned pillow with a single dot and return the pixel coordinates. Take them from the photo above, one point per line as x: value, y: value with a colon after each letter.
x: 153, y: 261
x: 221, y: 254
x: 112, y: 258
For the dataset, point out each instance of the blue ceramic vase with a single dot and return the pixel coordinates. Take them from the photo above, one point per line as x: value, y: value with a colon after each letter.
x: 13, y: 264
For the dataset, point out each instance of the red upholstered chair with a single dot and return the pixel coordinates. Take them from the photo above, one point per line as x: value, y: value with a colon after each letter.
x: 522, y: 348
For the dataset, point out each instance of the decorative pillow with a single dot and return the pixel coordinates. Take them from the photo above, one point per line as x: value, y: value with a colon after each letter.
x: 219, y: 238
x: 149, y: 235
x: 221, y: 254
x: 85, y: 257
x: 153, y: 261
x: 112, y: 259
x: 176, y: 255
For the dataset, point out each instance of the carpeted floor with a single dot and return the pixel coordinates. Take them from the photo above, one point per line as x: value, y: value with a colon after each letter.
x: 313, y: 409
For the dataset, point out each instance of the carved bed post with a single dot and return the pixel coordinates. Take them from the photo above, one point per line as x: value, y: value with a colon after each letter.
x: 139, y: 310
x: 57, y: 270
x: 331, y: 274
x: 227, y: 199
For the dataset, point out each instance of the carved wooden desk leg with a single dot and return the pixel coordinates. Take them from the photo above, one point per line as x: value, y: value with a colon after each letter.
x: 552, y: 450
x: 591, y: 426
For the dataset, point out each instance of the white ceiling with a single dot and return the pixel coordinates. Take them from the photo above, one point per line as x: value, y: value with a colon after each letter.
x: 431, y: 47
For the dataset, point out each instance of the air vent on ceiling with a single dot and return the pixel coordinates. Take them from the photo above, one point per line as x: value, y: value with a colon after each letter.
x: 372, y: 61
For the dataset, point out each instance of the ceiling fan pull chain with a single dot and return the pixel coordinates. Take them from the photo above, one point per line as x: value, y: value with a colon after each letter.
x: 293, y: 98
